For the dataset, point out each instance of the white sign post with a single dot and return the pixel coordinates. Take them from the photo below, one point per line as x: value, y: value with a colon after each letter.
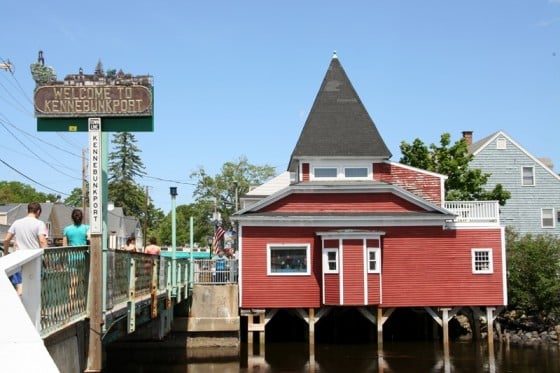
x: 95, y: 290
x: 95, y: 179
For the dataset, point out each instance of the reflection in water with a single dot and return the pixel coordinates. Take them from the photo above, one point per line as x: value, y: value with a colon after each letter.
x: 294, y: 358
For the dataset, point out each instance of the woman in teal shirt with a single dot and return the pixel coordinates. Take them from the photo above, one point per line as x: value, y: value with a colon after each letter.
x: 76, y: 234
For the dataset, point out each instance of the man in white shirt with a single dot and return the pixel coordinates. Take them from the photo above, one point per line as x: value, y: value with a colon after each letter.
x: 29, y: 233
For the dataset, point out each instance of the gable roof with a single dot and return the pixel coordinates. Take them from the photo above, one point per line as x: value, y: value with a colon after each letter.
x: 478, y: 146
x: 338, y: 124
x: 342, y: 187
x: 270, y: 187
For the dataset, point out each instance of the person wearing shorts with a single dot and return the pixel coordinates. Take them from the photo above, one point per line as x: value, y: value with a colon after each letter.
x: 29, y: 233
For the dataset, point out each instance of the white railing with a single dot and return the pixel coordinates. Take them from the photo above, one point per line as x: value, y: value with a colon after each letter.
x: 21, y: 347
x: 474, y: 211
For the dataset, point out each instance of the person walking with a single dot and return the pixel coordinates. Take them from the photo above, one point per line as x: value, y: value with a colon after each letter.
x: 153, y: 248
x: 76, y: 234
x: 29, y: 233
x: 130, y: 244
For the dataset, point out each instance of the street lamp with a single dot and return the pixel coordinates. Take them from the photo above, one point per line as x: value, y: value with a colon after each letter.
x: 173, y: 192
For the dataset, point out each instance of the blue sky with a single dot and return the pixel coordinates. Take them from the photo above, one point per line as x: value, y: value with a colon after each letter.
x: 238, y: 78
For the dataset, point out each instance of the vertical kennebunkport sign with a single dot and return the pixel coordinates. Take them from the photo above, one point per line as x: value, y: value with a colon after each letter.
x: 95, y: 172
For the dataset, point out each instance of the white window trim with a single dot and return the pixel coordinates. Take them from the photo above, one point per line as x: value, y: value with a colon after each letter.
x: 501, y: 143
x: 490, y: 268
x: 340, y: 166
x: 326, y: 268
x: 552, y: 217
x: 355, y: 177
x: 269, y: 248
x: 377, y: 259
x: 325, y: 177
x: 523, y: 179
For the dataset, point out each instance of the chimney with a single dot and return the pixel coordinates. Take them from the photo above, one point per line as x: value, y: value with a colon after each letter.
x: 467, y: 135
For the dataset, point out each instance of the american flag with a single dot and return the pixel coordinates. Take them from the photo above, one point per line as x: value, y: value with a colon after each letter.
x: 218, y: 234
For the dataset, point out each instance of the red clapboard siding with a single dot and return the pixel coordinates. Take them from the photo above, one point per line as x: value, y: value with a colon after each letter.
x: 421, y: 266
x: 259, y: 290
x: 353, y: 268
x: 427, y: 266
x: 333, y: 202
x: 332, y: 289
x: 373, y: 289
x: 425, y: 185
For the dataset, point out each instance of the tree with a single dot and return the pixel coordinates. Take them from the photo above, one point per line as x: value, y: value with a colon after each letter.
x: 533, y: 264
x: 222, y: 191
x: 199, y: 212
x: 75, y: 198
x: 125, y: 166
x: 463, y: 183
x: 124, y: 161
x: 16, y: 192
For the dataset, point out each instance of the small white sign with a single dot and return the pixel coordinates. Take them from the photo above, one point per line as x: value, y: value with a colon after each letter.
x: 95, y: 178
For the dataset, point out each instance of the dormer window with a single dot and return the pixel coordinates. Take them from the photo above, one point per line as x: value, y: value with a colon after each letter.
x: 340, y: 170
x: 355, y: 172
x: 325, y: 172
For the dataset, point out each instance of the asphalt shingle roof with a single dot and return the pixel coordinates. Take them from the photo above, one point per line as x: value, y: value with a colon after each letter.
x: 338, y: 124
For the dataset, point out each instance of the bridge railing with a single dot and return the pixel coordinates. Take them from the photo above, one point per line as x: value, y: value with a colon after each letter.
x: 215, y: 271
x: 130, y: 276
x: 119, y: 281
x: 64, y: 286
x: 23, y: 349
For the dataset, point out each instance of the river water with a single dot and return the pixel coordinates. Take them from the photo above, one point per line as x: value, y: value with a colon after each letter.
x: 468, y: 357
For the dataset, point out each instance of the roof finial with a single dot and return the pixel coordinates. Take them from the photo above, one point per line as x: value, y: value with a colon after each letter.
x: 334, y: 55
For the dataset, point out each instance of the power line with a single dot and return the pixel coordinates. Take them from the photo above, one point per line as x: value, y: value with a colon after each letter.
x: 32, y: 180
x: 11, y: 70
x: 22, y: 108
x: 38, y: 138
x: 167, y: 180
x: 36, y: 155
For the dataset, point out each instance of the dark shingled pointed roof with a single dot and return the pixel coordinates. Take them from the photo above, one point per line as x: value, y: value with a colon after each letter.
x: 338, y: 124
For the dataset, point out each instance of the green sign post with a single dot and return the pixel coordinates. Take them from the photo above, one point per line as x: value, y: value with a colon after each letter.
x: 96, y: 104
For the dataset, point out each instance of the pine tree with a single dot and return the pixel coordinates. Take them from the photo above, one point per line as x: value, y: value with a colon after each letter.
x: 125, y: 166
x: 124, y: 160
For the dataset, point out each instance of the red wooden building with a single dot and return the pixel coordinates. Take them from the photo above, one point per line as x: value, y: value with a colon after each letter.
x: 347, y: 227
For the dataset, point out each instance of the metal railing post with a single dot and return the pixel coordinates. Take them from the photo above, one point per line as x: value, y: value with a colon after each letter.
x: 131, y: 303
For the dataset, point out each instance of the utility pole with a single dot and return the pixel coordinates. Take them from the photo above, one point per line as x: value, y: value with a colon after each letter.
x: 84, y: 184
x: 6, y: 66
x: 146, y: 217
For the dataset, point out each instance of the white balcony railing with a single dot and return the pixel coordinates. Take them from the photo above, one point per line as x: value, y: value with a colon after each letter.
x: 475, y: 212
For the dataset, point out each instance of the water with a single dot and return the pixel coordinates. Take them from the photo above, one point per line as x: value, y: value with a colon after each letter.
x: 171, y: 356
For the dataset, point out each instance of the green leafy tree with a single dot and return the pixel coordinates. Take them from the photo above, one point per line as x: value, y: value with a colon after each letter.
x: 223, y: 190
x: 75, y: 198
x: 533, y: 264
x: 463, y: 183
x: 201, y: 232
x: 16, y: 192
